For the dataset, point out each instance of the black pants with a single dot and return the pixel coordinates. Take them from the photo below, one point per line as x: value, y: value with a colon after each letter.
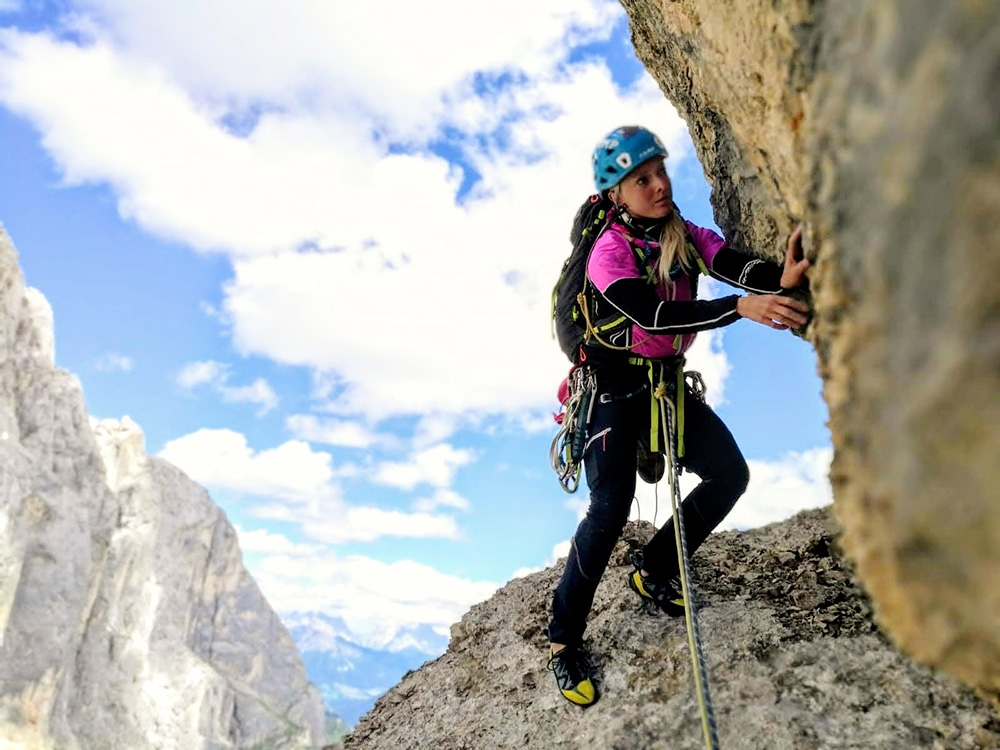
x: 610, y: 465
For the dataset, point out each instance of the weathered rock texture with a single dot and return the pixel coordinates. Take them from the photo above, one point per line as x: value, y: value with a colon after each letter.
x: 876, y: 122
x: 793, y: 657
x: 127, y: 619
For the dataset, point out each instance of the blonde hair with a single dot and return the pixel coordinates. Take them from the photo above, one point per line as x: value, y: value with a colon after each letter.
x: 674, y: 247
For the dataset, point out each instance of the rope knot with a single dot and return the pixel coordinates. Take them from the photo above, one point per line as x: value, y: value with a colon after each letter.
x: 660, y: 392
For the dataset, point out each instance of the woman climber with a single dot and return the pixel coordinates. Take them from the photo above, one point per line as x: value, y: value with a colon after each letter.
x: 642, y: 276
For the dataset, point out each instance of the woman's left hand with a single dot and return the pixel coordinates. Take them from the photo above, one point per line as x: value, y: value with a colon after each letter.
x: 795, y: 264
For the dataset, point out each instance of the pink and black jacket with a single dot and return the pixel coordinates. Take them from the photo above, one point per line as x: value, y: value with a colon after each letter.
x: 652, y: 320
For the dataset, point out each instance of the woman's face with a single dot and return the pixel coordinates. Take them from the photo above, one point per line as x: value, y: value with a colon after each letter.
x: 646, y: 192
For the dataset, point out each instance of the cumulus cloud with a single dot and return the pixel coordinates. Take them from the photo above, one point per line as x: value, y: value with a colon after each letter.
x: 559, y: 551
x: 194, y: 374
x: 216, y: 375
x: 294, y: 483
x: 442, y: 498
x: 435, y: 466
x: 417, y: 315
x: 346, y: 55
x: 348, y: 434
x: 707, y: 357
x: 778, y: 489
x: 299, y: 578
x: 222, y: 459
x: 258, y: 392
x: 262, y: 541
x: 113, y: 362
x: 337, y: 523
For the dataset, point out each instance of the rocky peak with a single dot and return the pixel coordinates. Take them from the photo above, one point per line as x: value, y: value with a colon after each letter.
x: 793, y: 657
x: 127, y: 619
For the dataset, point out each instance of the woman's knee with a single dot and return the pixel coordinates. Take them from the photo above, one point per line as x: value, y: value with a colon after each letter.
x: 740, y: 477
x: 608, y: 517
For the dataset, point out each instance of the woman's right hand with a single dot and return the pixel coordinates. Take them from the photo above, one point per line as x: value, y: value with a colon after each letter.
x: 773, y: 311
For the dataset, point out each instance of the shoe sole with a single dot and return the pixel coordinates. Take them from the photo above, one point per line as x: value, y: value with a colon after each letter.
x: 671, y: 607
x: 581, y: 698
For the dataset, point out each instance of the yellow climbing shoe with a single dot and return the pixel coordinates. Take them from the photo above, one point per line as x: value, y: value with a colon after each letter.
x: 667, y: 596
x: 572, y: 670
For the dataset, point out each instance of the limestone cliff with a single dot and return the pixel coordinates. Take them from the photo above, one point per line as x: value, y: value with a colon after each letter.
x: 127, y: 619
x: 876, y: 123
x: 793, y: 657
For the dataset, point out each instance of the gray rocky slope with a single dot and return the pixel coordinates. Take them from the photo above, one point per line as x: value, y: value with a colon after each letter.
x: 794, y: 660
x: 127, y: 619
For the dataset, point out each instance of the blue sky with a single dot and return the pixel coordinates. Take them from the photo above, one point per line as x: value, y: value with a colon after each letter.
x: 310, y: 253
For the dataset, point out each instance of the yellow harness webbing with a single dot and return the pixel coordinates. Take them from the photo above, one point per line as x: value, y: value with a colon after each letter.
x: 658, y: 389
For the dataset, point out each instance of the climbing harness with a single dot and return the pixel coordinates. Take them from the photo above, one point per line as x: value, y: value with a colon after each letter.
x: 566, y: 451
x: 674, y: 430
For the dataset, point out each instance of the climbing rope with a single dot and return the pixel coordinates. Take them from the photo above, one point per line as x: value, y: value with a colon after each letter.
x: 690, y: 615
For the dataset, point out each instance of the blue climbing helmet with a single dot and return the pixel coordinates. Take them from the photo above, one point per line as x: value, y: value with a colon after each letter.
x: 621, y: 151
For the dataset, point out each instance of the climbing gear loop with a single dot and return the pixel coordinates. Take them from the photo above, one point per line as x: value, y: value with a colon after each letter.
x: 696, y: 384
x: 567, y: 449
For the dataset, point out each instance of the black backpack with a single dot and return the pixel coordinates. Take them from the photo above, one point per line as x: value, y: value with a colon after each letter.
x: 567, y: 317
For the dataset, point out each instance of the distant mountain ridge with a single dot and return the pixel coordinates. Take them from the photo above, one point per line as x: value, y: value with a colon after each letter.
x: 351, y: 676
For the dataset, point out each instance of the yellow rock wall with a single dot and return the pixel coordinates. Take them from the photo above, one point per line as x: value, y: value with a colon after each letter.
x: 876, y: 122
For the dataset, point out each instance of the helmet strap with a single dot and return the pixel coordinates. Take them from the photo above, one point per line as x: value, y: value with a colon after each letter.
x: 647, y: 228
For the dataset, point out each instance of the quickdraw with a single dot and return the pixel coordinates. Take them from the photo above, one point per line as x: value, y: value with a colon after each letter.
x: 566, y: 451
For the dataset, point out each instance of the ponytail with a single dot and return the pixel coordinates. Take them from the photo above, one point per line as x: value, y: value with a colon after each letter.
x: 674, y: 249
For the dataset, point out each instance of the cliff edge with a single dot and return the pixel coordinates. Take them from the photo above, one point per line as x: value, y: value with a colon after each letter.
x: 127, y: 619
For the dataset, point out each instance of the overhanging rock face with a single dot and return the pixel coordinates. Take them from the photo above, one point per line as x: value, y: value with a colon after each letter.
x: 876, y: 122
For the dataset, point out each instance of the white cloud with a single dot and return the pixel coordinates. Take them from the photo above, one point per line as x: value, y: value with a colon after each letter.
x: 298, y: 578
x: 780, y: 489
x: 216, y: 375
x: 434, y: 428
x: 194, y: 374
x: 222, y: 459
x: 335, y: 523
x: 777, y: 490
x: 384, y: 60
x: 559, y: 551
x: 113, y: 362
x: 435, y: 466
x: 416, y: 315
x: 334, y: 432
x: 441, y: 498
x: 258, y: 392
x: 707, y: 356
x: 257, y: 541
x: 341, y: 690
x: 295, y: 484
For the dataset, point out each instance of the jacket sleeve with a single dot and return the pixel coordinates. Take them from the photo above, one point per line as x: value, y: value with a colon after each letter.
x: 734, y: 268
x: 612, y: 269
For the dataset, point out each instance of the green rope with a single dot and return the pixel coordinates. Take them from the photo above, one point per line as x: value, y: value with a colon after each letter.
x: 703, y: 695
